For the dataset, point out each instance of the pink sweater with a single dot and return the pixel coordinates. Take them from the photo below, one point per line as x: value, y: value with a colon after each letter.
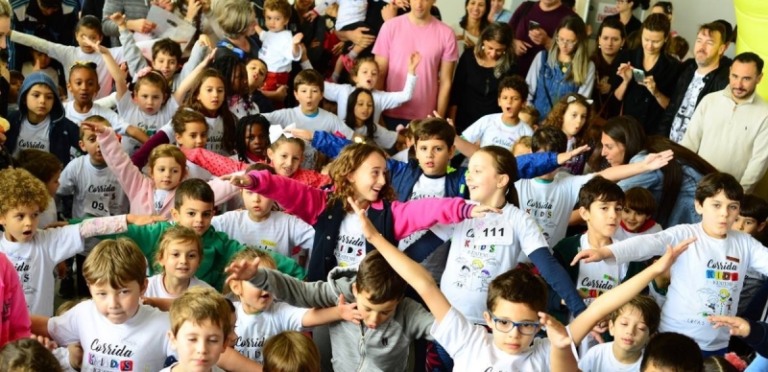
x: 308, y: 203
x: 139, y: 188
x: 15, y: 323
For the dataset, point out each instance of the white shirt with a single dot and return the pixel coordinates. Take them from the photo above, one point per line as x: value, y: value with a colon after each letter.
x: 600, y: 358
x: 196, y: 171
x: 214, y: 368
x: 215, y: 134
x: 49, y: 215
x: 687, y: 107
x: 35, y: 260
x: 277, y: 50
x: 382, y: 101
x: 139, y: 344
x: 490, y: 130
x: 482, y: 249
x: 254, y: 329
x: 383, y: 137
x: 149, y: 123
x: 97, y: 192
x: 159, y: 199
x: 280, y: 232
x: 425, y: 187
x: 156, y: 288
x: 622, y: 234
x: 596, y: 278
x: 33, y: 136
x: 116, y: 121
x: 350, y: 248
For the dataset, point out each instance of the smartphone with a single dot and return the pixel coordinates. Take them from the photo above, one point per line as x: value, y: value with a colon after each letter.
x: 533, y: 25
x: 638, y: 75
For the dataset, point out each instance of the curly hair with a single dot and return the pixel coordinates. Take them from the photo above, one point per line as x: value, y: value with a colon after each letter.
x: 557, y: 114
x: 348, y: 161
x: 21, y: 189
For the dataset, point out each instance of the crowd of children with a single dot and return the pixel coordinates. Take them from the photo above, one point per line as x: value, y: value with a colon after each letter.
x: 202, y: 218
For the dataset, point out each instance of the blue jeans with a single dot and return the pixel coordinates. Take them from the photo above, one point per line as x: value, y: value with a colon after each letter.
x: 758, y: 365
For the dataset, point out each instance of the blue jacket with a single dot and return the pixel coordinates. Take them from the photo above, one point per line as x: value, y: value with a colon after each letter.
x: 64, y: 135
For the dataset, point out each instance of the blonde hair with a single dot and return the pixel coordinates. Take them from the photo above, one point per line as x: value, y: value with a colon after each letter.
x: 291, y: 351
x: 580, y: 61
x: 5, y: 9
x: 249, y: 254
x: 116, y: 262
x: 234, y: 16
x: 68, y: 305
x: 350, y: 158
x: 199, y: 304
x: 94, y: 119
x: 168, y: 151
x: 176, y: 233
x: 27, y: 355
x: 21, y: 189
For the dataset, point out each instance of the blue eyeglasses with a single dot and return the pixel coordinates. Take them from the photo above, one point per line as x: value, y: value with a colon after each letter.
x: 506, y: 325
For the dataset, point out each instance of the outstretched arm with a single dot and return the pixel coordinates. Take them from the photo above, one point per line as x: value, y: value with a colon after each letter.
x: 650, y: 163
x: 342, y: 311
x: 186, y: 84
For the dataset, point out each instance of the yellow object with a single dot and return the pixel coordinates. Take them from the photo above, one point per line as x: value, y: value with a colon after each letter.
x: 4, y: 125
x: 752, y: 19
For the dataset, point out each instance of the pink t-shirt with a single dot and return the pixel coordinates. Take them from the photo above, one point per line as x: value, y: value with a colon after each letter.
x: 436, y: 43
x: 15, y: 323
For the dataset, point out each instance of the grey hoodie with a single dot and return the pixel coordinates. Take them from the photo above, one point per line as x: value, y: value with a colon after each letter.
x: 355, y: 347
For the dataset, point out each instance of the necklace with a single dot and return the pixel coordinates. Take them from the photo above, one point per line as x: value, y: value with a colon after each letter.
x: 564, y: 66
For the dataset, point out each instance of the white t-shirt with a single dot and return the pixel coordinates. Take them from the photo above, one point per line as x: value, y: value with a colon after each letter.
x: 687, y: 107
x: 139, y: 344
x: 33, y: 136
x: 600, y: 358
x: 472, y: 347
x: 277, y: 50
x: 551, y: 203
x: 149, y: 123
x: 383, y: 137
x: 159, y: 199
x: 49, y: 215
x: 196, y: 171
x: 97, y: 192
x: 482, y: 249
x: 156, y: 288
x: 168, y: 369
x: 254, y: 329
x: 706, y: 279
x: 117, y: 122
x: 425, y: 187
x: 596, y: 278
x: 281, y: 232
x: 35, y: 260
x: 490, y: 130
x: 215, y: 134
x: 622, y: 234
x: 350, y: 248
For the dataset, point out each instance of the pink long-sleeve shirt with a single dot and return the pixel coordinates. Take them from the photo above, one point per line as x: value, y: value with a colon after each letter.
x: 15, y: 323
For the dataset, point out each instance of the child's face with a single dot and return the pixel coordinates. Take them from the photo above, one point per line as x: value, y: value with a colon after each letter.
x: 198, y: 345
x: 91, y: 146
x: 373, y: 315
x: 286, y: 158
x: 39, y: 102
x: 194, y: 214
x: 483, y: 181
x: 257, y: 140
x: 602, y: 217
x: 53, y: 184
x: 15, y: 87
x: 84, y: 84
x: 369, y: 178
x: 633, y: 219
x: 309, y: 97
x: 367, y: 75
x: 521, y: 149
x: 20, y: 223
x: 118, y: 305
x: 510, y: 102
x: 433, y: 156
x: 166, y: 64
x: 363, y: 108
x: 525, y: 117
x: 258, y: 206
x: 513, y: 342
x: 717, y: 214
x: 195, y: 135
x: 149, y: 98
x: 275, y: 20
x: 748, y: 225
x: 574, y: 119
x: 630, y: 332
x: 254, y: 300
x: 257, y: 72
x: 211, y: 94
x: 180, y: 259
x: 167, y: 173
x: 87, y: 33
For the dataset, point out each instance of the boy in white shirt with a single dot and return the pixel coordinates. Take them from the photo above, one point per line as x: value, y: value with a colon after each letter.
x: 711, y: 275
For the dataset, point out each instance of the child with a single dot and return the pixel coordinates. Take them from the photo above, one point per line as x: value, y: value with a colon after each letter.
x: 571, y: 115
x: 279, y: 48
x: 637, y: 215
x: 236, y: 94
x: 16, y: 324
x: 669, y: 351
x: 259, y: 225
x: 707, y: 280
x: 200, y: 323
x: 522, y: 146
x: 499, y: 129
x: 752, y: 220
x: 632, y: 325
x: 17, y: 79
x: 40, y: 122
x: 257, y: 74
x: 291, y: 351
x: 365, y: 74
x: 36, y: 252
x: 45, y: 167
x: 87, y: 33
x: 360, y: 109
x: 178, y: 255
x: 259, y: 317
x: 529, y: 114
x: 251, y: 139
x: 191, y: 132
x: 751, y: 332
x: 26, y: 355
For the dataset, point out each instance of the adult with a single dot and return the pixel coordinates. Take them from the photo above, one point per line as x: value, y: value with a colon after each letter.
x: 476, y: 82
x: 52, y: 20
x: 474, y: 21
x: 623, y: 141
x: 5, y: 74
x: 715, y: 130
x: 313, y: 29
x: 236, y: 19
x: 135, y: 12
x: 564, y: 68
x: 625, y: 9
x: 533, y: 24
x: 498, y: 13
x: 393, y: 48
x: 706, y: 74
x: 610, y: 40
x: 646, y: 77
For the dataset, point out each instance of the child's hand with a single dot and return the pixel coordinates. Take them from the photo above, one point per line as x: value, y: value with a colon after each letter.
x: 119, y: 19
x: 304, y: 134
x: 556, y: 333
x: 738, y: 326
x: 349, y: 311
x: 140, y: 220
x: 239, y: 180
x: 209, y: 57
x: 140, y: 25
x: 310, y: 15
x: 564, y: 157
x: 669, y: 257
x: 369, y: 231
x: 204, y: 40
x: 75, y: 355
x: 56, y: 224
x: 413, y: 62
x: 481, y: 210
x: 45, y: 341
x: 193, y: 7
x: 658, y: 160
x: 297, y: 38
x: 588, y: 255
x: 242, y: 270
x: 97, y: 128
x: 96, y: 46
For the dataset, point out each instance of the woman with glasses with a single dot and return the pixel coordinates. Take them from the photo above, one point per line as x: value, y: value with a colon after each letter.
x: 624, y: 14
x: 564, y: 68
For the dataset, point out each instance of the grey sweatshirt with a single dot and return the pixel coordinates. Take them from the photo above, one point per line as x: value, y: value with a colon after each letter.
x: 355, y: 347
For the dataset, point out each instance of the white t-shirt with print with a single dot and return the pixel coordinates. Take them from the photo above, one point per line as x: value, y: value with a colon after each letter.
x: 159, y: 199
x: 169, y: 368
x: 35, y: 260
x: 596, y: 278
x: 482, y: 249
x: 622, y: 234
x: 96, y: 190
x: 687, y: 107
x: 149, y: 123
x: 116, y: 121
x: 281, y: 232
x: 254, y: 329
x: 156, y: 288
x: 215, y: 134
x: 350, y: 247
x: 600, y: 358
x: 472, y: 347
x: 33, y: 136
x: 139, y: 344
x: 490, y: 130
x: 425, y: 187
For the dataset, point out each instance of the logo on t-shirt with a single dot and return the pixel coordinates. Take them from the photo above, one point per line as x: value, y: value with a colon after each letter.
x: 38, y: 145
x: 250, y: 347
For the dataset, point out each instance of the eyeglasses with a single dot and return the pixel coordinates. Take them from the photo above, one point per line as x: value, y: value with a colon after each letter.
x: 506, y: 326
x: 568, y: 43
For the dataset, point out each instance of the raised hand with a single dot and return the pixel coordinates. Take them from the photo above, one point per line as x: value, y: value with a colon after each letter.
x: 304, y: 134
x: 242, y: 270
x: 239, y: 180
x: 119, y: 19
x: 140, y: 220
x: 564, y: 157
x: 297, y: 38
x: 310, y: 15
x: 141, y: 25
x: 665, y: 262
x: 369, y: 231
x: 737, y: 326
x: 94, y: 127
x: 588, y: 256
x: 348, y: 311
x: 658, y: 160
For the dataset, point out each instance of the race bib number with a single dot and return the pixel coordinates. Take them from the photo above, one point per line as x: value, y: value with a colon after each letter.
x: 492, y: 231
x: 97, y: 205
